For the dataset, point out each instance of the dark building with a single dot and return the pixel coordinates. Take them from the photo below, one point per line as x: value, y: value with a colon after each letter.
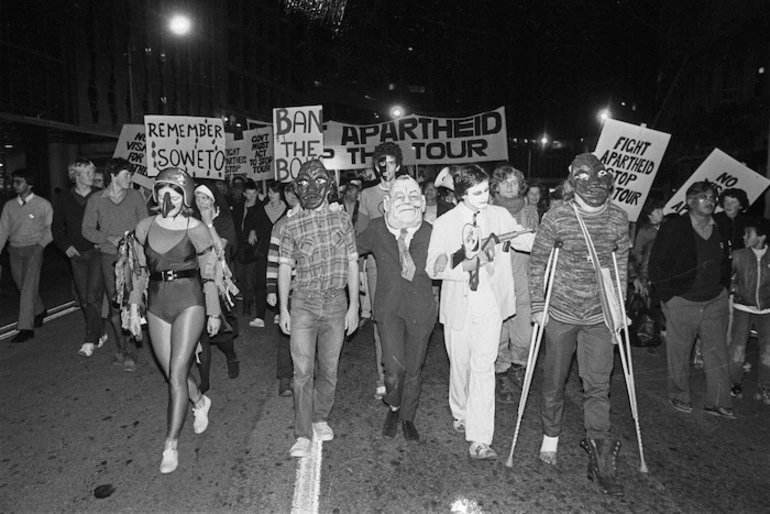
x: 713, y: 89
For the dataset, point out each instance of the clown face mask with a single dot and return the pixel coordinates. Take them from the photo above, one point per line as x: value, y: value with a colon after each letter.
x: 404, y: 204
x: 312, y: 185
x: 592, y: 182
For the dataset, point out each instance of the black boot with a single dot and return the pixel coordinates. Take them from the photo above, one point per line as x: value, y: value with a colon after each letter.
x: 504, y: 388
x: 602, y: 464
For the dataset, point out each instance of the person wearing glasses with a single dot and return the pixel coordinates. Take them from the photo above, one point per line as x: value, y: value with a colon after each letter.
x: 109, y: 214
x: 690, y: 269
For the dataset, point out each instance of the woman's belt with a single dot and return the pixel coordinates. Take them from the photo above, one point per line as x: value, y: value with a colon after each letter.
x: 169, y: 275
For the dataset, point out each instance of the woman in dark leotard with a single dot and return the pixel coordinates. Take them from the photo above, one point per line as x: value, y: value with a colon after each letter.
x: 177, y: 251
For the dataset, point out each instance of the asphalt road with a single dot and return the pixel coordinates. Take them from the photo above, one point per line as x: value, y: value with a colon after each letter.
x: 72, y: 426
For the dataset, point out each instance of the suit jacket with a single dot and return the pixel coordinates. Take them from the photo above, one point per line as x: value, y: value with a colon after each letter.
x: 413, y: 300
x: 446, y: 239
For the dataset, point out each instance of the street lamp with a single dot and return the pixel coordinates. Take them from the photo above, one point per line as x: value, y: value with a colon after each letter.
x: 604, y: 115
x: 544, y: 140
x: 396, y: 112
x: 180, y: 24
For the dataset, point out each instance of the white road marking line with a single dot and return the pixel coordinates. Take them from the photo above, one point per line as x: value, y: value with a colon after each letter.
x: 307, y: 486
x: 56, y: 312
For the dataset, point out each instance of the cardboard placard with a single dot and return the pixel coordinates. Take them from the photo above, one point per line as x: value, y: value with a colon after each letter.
x: 724, y: 172
x: 298, y: 138
x: 131, y: 145
x: 196, y: 145
x: 633, y: 153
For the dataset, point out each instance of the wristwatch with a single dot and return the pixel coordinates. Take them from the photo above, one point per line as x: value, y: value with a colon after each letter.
x: 210, y: 225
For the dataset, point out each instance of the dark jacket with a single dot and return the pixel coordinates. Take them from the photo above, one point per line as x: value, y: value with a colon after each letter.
x: 751, y: 279
x: 68, y: 219
x: 731, y: 229
x: 256, y: 219
x: 674, y: 258
x: 413, y: 301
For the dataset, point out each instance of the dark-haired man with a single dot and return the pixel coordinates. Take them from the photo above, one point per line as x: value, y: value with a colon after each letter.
x: 109, y: 215
x: 691, y: 273
x: 26, y: 224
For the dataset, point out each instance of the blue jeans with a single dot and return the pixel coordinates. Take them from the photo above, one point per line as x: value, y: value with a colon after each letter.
x: 125, y: 344
x: 317, y: 328
x: 87, y: 276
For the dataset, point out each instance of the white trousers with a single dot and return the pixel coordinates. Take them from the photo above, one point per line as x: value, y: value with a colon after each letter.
x: 472, y: 352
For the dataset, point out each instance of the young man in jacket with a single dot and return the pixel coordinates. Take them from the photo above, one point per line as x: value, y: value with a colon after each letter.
x: 751, y: 287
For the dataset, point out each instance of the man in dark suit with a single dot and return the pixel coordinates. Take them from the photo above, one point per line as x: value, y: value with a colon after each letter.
x: 403, y: 304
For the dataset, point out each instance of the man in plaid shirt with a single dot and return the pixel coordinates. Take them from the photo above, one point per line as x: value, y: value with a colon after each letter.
x: 320, y: 245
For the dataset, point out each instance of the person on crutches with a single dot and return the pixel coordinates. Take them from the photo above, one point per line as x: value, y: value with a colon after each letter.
x: 589, y: 230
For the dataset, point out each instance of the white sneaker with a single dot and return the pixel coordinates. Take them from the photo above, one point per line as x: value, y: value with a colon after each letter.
x: 380, y: 392
x: 257, y: 323
x: 201, y: 414
x: 301, y: 448
x: 323, y: 431
x: 86, y: 350
x: 458, y: 425
x: 102, y: 340
x: 170, y: 458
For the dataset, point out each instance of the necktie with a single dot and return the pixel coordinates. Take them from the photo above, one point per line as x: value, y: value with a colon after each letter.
x: 407, y: 264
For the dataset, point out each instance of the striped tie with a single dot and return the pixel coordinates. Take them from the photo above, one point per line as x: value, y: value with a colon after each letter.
x: 407, y: 264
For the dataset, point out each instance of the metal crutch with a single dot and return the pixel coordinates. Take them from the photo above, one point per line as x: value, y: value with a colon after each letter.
x: 624, y: 348
x: 534, y: 345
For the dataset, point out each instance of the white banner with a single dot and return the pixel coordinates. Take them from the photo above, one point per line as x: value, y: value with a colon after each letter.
x: 196, y: 145
x: 633, y: 153
x: 131, y: 147
x: 260, y: 153
x: 422, y: 139
x: 723, y: 172
x: 299, y: 137
x: 236, y: 157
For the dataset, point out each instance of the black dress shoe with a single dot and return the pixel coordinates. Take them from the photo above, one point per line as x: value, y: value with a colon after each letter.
x: 40, y: 318
x: 410, y: 432
x: 390, y: 427
x: 23, y: 335
x: 233, y: 368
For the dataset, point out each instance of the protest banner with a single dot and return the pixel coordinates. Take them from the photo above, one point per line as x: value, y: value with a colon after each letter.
x: 250, y: 157
x: 131, y: 147
x: 422, y: 139
x: 196, y: 145
x: 236, y: 158
x: 633, y: 154
x: 260, y: 152
x: 723, y: 172
x: 298, y: 138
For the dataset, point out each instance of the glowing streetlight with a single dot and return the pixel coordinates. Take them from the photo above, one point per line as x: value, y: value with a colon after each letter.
x: 604, y: 115
x: 396, y: 112
x: 180, y: 24
x: 544, y: 140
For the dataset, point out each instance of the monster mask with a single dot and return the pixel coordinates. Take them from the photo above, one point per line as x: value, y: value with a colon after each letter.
x: 404, y: 204
x: 592, y: 182
x: 312, y: 184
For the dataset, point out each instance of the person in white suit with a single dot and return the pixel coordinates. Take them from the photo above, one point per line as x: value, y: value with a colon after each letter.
x: 477, y: 294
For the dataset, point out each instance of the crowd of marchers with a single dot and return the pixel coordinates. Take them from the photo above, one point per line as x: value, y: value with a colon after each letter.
x: 499, y: 263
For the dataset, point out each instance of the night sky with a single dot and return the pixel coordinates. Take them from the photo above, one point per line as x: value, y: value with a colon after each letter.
x: 553, y: 63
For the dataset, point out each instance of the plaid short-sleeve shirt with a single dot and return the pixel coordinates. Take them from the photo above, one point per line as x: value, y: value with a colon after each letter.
x: 319, y: 244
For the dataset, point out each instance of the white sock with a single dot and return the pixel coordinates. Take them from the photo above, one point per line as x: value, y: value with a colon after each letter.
x: 550, y: 444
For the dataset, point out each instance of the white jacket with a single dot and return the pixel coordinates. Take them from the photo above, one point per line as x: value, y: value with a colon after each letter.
x: 446, y: 239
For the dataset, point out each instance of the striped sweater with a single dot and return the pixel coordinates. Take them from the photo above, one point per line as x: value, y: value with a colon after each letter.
x: 575, y: 296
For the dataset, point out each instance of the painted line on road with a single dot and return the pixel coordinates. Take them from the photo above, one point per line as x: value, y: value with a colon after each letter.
x: 307, y: 486
x: 55, y: 312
